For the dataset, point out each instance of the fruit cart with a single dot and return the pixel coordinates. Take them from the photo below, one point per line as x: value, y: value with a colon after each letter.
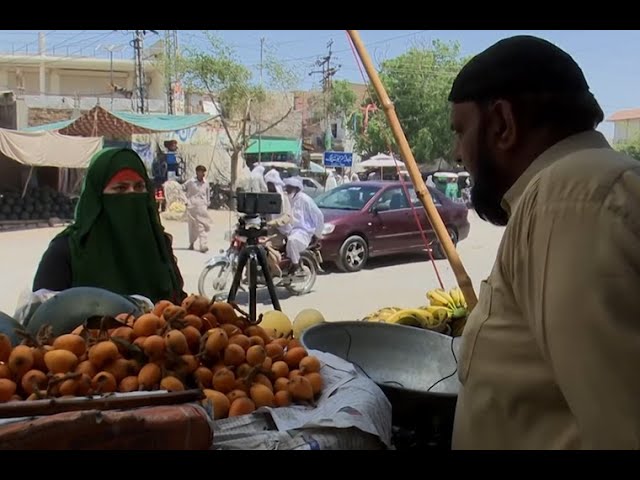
x: 160, y: 421
x: 88, y: 363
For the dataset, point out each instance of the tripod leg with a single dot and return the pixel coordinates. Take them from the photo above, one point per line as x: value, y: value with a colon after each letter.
x: 253, y: 289
x: 262, y: 259
x: 237, y: 278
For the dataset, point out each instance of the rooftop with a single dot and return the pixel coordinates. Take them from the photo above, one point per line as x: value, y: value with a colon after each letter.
x: 71, y: 63
x: 622, y: 115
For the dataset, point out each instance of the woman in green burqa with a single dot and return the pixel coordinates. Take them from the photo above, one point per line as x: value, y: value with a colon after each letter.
x: 116, y: 241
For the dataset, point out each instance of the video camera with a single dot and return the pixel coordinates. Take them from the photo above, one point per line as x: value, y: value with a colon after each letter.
x: 255, y: 204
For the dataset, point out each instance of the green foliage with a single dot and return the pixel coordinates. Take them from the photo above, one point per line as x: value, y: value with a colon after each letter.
x: 342, y: 101
x: 418, y: 83
x: 219, y: 72
x: 630, y: 147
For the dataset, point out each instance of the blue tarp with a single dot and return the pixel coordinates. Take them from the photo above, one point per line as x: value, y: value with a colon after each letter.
x: 150, y: 122
x: 49, y: 127
x: 163, y: 123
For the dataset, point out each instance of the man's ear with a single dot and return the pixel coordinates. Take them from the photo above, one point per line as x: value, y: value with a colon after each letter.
x: 502, y: 125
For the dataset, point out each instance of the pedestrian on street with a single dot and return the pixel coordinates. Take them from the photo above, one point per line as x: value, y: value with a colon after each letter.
x: 198, y: 194
x: 550, y: 352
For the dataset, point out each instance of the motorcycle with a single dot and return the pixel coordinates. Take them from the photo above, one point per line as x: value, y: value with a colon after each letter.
x: 218, y: 274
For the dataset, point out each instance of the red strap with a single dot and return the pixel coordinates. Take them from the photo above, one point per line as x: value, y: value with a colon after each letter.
x: 125, y: 175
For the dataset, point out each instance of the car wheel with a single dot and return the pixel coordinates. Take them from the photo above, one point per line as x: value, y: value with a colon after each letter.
x: 353, y: 254
x: 438, y: 251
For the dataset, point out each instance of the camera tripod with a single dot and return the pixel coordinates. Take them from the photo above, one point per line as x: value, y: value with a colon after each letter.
x: 254, y: 255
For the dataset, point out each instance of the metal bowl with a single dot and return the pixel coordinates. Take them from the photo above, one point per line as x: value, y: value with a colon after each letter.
x: 415, y: 368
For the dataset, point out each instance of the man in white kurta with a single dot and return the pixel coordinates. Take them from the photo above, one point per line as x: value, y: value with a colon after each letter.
x: 277, y: 223
x: 198, y: 197
x: 307, y: 221
x: 256, y: 180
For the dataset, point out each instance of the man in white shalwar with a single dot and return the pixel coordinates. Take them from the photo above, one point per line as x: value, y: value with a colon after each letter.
x: 256, y: 180
x: 276, y: 223
x: 331, y: 182
x: 198, y: 199
x: 307, y: 221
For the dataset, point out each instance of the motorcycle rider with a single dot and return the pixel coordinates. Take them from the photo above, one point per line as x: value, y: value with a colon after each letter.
x: 276, y: 222
x: 307, y: 221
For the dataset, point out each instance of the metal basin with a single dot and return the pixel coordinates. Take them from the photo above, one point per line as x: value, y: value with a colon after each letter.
x: 416, y: 368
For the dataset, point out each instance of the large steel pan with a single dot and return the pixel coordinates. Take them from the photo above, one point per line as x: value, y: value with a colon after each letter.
x: 415, y: 368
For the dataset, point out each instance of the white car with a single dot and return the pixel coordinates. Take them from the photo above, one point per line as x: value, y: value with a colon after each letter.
x: 312, y: 187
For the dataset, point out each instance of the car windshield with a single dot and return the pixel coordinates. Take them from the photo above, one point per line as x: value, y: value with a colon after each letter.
x: 347, y: 197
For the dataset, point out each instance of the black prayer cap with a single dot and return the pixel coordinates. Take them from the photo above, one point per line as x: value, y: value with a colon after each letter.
x: 518, y: 65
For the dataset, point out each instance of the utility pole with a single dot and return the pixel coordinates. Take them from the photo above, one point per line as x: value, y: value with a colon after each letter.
x: 260, y: 104
x: 137, y: 44
x: 171, y: 67
x: 42, y: 51
x: 111, y: 49
x: 327, y: 75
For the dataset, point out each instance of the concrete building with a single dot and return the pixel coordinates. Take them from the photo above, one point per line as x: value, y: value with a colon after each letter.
x: 51, y: 88
x: 626, y: 125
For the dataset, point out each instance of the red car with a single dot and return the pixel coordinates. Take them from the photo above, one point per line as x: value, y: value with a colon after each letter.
x: 371, y: 219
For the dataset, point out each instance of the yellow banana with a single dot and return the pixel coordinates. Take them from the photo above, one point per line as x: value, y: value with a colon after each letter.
x: 412, y: 315
x: 455, y: 295
x: 439, y: 297
x: 409, y: 321
x: 382, y: 315
x: 442, y: 314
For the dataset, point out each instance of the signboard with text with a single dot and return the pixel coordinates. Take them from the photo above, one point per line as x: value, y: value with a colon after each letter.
x: 338, y: 159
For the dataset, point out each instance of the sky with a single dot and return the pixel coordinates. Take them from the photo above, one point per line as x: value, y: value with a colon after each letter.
x: 607, y: 57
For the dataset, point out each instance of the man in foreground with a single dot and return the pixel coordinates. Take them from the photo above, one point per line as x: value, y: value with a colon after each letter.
x: 549, y: 355
x: 198, y: 197
x: 307, y: 221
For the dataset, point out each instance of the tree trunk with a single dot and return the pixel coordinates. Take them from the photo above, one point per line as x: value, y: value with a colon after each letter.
x: 235, y: 157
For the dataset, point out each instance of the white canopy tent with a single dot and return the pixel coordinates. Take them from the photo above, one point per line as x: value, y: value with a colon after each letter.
x: 48, y: 149
x: 380, y: 160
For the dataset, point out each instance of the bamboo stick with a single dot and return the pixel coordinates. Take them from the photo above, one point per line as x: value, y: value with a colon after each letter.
x: 464, y: 282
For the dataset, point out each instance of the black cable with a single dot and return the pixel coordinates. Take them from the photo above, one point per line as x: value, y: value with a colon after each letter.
x: 454, y: 372
x: 388, y: 382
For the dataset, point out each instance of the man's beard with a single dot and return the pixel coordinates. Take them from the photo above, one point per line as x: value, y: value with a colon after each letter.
x: 487, y: 190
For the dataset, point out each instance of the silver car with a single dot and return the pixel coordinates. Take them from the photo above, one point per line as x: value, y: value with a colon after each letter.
x: 312, y: 187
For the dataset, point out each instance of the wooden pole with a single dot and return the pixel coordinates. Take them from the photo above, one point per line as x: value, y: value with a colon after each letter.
x: 416, y: 178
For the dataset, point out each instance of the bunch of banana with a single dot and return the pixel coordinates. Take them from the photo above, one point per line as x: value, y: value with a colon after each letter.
x: 414, y: 317
x: 458, y: 298
x: 440, y: 313
x: 453, y: 301
x: 382, y: 315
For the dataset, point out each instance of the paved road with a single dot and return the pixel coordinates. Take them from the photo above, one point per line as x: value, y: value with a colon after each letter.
x: 386, y: 282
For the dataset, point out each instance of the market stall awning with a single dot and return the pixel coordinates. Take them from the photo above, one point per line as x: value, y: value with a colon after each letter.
x: 381, y: 161
x: 48, y: 148
x: 101, y: 122
x: 49, y: 127
x: 274, y: 145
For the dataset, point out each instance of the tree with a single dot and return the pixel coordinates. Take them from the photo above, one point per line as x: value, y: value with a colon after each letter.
x: 219, y: 73
x: 342, y: 101
x: 631, y: 147
x: 418, y: 83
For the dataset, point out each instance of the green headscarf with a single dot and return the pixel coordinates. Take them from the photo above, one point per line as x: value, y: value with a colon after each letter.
x: 117, y: 241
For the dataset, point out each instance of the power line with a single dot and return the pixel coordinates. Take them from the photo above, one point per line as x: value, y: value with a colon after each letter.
x: 141, y: 88
x: 328, y: 72
x: 170, y: 67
